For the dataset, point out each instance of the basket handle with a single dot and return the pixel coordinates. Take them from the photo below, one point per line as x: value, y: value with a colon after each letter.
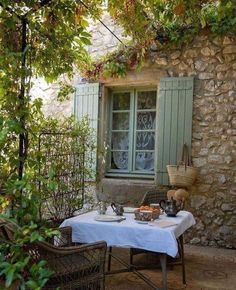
x: 185, y: 158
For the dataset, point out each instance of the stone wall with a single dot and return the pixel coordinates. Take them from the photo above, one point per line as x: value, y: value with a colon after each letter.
x: 103, y: 40
x: 212, y: 62
x: 213, y: 199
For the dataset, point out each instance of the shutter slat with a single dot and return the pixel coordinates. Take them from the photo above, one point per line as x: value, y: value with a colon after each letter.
x: 181, y: 122
x: 188, y: 116
x: 174, y: 127
x: 167, y: 132
x: 175, y: 122
x: 160, y: 136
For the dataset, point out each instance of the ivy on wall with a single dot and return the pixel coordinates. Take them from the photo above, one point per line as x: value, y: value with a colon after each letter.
x: 163, y: 24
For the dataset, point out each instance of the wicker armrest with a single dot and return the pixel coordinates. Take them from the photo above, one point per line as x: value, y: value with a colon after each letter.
x: 72, y: 266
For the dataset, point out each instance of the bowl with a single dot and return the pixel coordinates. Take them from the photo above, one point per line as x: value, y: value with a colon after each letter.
x: 146, y: 215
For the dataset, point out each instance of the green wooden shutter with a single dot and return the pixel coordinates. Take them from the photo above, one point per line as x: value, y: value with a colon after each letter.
x: 174, y: 122
x: 86, y: 104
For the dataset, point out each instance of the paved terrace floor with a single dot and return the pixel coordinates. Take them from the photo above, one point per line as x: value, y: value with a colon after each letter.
x: 206, y: 269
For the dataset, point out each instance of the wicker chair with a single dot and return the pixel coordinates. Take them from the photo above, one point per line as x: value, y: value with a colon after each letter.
x: 74, y: 267
x: 155, y: 196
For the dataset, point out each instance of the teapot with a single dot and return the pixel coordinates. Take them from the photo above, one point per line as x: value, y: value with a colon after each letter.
x: 117, y: 208
x: 170, y: 207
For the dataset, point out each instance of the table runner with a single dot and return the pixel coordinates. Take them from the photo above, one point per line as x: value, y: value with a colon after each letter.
x: 130, y: 234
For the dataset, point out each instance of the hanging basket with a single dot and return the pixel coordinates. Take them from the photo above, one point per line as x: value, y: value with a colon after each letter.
x: 183, y: 174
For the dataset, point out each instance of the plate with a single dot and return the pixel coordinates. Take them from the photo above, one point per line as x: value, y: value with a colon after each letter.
x: 141, y: 222
x: 130, y: 209
x: 108, y: 218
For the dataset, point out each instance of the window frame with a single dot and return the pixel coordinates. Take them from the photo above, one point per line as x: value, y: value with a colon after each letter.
x: 130, y: 172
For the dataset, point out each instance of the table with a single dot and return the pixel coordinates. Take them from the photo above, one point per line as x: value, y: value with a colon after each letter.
x: 130, y: 234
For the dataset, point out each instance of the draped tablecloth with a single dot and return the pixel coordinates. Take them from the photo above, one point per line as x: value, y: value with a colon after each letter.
x: 129, y: 233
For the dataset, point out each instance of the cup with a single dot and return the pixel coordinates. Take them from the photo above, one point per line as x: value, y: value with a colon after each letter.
x: 102, y: 208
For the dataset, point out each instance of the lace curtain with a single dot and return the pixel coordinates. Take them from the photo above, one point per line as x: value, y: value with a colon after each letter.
x: 144, y: 133
x: 144, y: 141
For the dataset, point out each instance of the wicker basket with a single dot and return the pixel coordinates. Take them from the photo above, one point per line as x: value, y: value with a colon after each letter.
x: 146, y: 215
x: 183, y: 174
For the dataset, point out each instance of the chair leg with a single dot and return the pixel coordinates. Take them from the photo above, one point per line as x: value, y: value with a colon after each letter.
x: 131, y: 256
x: 164, y: 271
x: 109, y: 259
x: 181, y: 240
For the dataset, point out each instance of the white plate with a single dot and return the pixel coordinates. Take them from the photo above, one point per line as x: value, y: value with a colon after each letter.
x: 108, y: 218
x: 130, y: 209
x: 142, y: 222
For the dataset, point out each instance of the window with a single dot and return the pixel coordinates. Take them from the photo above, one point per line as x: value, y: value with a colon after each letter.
x: 134, y: 150
x: 132, y: 132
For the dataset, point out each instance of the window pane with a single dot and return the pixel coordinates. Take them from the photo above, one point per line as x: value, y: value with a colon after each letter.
x: 145, y: 141
x: 147, y: 100
x: 146, y: 120
x: 120, y: 140
x: 144, y: 161
x: 119, y: 160
x: 121, y: 101
x: 120, y: 121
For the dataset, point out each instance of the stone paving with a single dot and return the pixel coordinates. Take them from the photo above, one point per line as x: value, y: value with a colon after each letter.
x: 206, y: 269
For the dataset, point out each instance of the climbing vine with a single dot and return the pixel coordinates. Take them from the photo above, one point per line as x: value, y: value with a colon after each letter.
x: 45, y: 38
x: 163, y: 24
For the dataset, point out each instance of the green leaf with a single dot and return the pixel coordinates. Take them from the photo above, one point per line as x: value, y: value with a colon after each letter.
x: 84, y: 23
x: 32, y: 285
x: 85, y: 40
x: 10, y: 276
x: 35, y: 236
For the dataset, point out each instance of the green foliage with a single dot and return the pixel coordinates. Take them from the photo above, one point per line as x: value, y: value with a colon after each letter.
x: 145, y: 19
x: 66, y: 163
x: 165, y: 23
x: 65, y: 91
x: 117, y: 63
x: 14, y: 266
x: 37, y: 38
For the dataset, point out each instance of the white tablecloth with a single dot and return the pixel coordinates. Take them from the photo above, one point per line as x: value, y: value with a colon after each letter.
x: 130, y: 234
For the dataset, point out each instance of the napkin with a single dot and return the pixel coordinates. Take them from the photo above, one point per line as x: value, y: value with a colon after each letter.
x: 162, y: 223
